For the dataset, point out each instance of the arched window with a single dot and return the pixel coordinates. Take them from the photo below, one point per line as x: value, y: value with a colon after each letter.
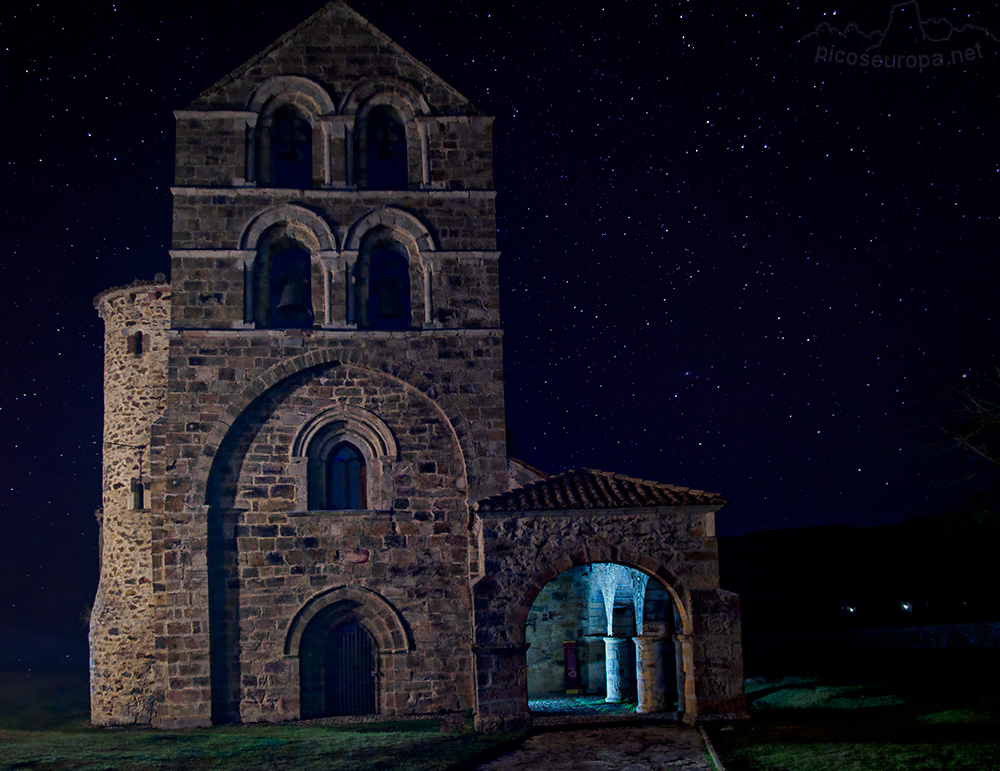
x: 346, y: 481
x: 289, y: 141
x: 337, y: 476
x: 289, y: 300
x: 283, y: 291
x: 388, y: 290
x: 342, y: 459
x: 385, y: 150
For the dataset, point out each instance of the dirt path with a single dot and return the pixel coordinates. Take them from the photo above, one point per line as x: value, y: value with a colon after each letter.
x: 614, y: 748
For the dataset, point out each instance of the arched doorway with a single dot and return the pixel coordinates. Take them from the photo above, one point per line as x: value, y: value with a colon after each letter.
x: 602, y: 637
x: 338, y: 667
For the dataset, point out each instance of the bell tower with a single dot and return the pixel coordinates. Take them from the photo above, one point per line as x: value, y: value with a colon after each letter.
x: 333, y: 392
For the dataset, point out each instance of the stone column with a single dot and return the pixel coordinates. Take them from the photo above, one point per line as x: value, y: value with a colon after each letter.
x: 651, y: 673
x: 614, y: 656
x: 593, y: 664
x: 687, y: 702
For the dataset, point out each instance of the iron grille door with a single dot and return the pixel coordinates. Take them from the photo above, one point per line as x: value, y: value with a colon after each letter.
x: 351, y: 671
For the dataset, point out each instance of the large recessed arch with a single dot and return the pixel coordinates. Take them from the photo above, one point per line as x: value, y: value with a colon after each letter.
x: 296, y: 367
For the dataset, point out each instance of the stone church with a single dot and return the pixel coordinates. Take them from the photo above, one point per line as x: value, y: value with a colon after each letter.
x: 308, y: 508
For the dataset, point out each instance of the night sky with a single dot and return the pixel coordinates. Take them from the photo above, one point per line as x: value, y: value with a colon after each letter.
x: 726, y: 263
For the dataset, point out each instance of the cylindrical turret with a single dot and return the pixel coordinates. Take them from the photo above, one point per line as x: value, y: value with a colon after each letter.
x: 135, y: 379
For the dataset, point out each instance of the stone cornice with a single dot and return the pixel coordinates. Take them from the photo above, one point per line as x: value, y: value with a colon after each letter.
x: 215, y: 114
x: 453, y: 254
x: 271, y: 193
x: 347, y: 334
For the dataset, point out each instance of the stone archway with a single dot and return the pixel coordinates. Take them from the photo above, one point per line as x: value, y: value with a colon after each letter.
x: 343, y: 640
x: 616, y: 624
x: 525, y: 548
x: 338, y: 667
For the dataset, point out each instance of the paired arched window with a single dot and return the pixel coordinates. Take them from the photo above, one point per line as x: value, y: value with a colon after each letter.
x: 301, y: 139
x: 285, y: 149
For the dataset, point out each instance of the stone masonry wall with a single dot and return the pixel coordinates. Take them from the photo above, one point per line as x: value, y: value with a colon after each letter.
x: 121, y: 629
x: 212, y: 151
x: 559, y: 613
x: 413, y: 555
x: 457, y: 221
x: 214, y: 379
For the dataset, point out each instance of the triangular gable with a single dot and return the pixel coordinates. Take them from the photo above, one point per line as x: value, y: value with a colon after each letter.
x: 340, y: 49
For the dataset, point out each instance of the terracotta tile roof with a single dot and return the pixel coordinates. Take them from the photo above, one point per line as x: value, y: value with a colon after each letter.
x: 590, y: 489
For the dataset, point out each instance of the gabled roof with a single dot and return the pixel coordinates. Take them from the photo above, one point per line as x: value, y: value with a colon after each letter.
x: 340, y: 49
x: 590, y: 489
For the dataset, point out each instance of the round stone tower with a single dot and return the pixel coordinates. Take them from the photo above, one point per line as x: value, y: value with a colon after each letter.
x: 136, y: 318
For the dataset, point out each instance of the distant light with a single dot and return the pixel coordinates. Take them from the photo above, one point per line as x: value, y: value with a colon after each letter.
x: 907, y: 607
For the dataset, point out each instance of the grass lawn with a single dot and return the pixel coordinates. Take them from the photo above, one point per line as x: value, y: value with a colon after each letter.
x: 943, y: 718
x: 44, y: 725
x: 844, y: 723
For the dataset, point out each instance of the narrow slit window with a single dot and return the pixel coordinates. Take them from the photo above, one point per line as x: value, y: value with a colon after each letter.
x: 136, y: 344
x: 138, y: 495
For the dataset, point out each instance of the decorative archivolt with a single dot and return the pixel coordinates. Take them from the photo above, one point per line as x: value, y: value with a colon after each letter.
x: 291, y: 89
x: 315, y: 234
x: 315, y: 99
x: 376, y: 614
x: 371, y: 93
x: 409, y: 230
x: 306, y: 226
x: 368, y: 431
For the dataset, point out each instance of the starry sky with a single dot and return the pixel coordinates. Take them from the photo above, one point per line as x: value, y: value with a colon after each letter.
x: 727, y: 262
